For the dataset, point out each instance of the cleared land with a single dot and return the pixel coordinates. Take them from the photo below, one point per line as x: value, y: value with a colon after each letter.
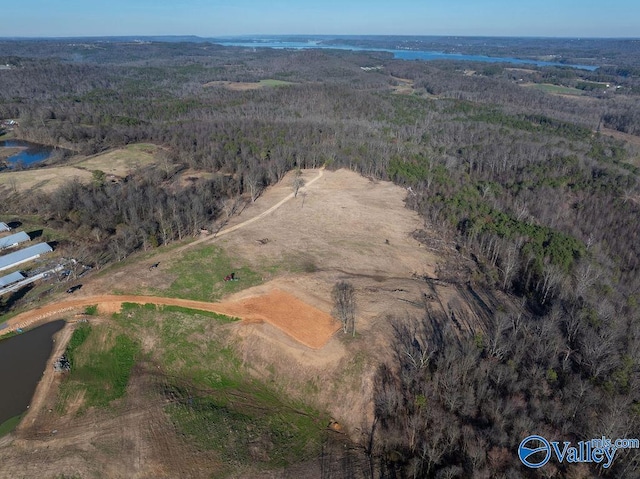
x: 190, y: 408
x: 245, y: 86
x: 404, y: 86
x: 42, y: 179
x: 554, y: 89
x: 121, y: 161
x: 302, y: 322
x: 341, y: 226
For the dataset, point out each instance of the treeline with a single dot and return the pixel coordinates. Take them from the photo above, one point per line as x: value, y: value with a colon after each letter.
x: 108, y: 221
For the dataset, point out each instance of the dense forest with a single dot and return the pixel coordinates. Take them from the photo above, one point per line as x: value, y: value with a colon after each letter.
x: 538, y: 188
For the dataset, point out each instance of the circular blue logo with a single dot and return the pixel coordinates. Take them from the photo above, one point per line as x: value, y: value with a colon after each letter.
x: 534, y: 451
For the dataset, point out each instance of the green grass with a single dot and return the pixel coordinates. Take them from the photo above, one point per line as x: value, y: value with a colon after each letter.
x: 208, y: 314
x: 91, y: 310
x: 219, y: 407
x: 78, y: 338
x: 273, y: 82
x: 7, y: 335
x: 215, y: 402
x: 10, y: 424
x: 245, y: 431
x: 200, y: 275
x: 102, y: 372
x: 190, y: 342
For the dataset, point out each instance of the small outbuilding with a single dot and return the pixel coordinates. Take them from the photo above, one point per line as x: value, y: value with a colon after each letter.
x: 4, y: 227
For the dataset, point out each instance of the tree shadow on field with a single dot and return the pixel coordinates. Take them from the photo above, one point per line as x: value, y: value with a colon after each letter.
x: 10, y: 302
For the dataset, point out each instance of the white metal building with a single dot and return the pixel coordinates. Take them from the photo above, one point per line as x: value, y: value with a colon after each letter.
x: 11, y: 278
x: 14, y: 240
x: 4, y: 227
x: 24, y: 255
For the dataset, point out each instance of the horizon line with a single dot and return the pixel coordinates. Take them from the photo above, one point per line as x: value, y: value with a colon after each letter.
x: 250, y: 35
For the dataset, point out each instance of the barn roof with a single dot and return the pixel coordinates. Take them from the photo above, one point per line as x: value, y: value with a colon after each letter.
x: 11, y: 278
x: 21, y: 256
x: 14, y: 239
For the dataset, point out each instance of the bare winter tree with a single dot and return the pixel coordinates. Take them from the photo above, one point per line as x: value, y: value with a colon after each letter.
x: 298, y: 182
x: 253, y: 181
x: 344, y: 301
x: 509, y: 262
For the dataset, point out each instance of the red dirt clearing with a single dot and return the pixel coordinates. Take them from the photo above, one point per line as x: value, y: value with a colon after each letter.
x: 301, y: 321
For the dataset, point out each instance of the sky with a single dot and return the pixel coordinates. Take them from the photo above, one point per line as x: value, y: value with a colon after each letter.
x: 214, y: 18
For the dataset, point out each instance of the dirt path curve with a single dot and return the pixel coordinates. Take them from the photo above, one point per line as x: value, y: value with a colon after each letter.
x: 301, y: 321
x: 231, y: 229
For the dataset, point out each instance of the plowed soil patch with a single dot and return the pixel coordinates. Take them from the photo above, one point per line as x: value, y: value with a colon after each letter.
x: 301, y: 321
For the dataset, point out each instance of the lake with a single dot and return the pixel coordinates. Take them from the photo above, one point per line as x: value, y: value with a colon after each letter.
x: 23, y: 359
x: 399, y: 54
x: 29, y: 155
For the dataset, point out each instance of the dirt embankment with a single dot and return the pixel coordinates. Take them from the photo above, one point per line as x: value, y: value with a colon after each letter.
x: 48, y: 377
x: 304, y: 323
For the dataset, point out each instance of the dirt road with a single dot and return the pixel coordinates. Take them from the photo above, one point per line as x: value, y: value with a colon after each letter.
x: 301, y: 321
x: 231, y: 229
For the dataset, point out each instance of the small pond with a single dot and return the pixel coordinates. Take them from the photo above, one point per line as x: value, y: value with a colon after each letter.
x: 23, y: 359
x: 29, y: 153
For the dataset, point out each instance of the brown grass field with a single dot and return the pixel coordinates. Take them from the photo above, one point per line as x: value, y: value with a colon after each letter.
x: 121, y: 161
x: 42, y: 179
x: 246, y: 86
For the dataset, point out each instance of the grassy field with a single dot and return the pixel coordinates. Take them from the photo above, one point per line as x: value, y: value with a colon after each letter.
x: 244, y: 86
x: 555, y: 89
x: 215, y: 401
x: 200, y: 275
x: 273, y: 82
x: 246, y: 431
x: 101, y: 363
x: 43, y: 179
x: 191, y: 344
x: 121, y: 161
